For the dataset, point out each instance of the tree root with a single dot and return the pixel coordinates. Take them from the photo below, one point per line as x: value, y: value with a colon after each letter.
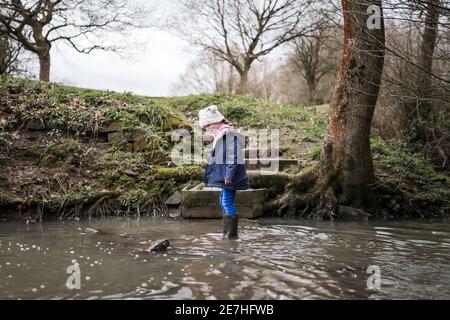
x: 311, y: 196
x: 101, y: 205
x: 311, y: 205
x: 308, y: 196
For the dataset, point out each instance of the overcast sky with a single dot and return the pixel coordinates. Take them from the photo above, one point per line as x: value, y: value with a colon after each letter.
x: 150, y: 71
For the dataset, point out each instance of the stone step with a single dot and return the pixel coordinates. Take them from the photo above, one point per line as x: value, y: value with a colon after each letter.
x: 269, y: 164
x: 274, y: 182
x: 256, y: 173
x: 261, y: 153
x: 266, y: 175
x: 203, y: 203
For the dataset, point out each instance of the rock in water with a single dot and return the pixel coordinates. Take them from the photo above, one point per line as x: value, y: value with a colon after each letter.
x: 94, y: 231
x: 155, y: 246
x: 174, y: 200
x: 91, y: 231
x: 125, y: 235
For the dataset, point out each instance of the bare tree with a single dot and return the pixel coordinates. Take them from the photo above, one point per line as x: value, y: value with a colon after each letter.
x: 242, y: 31
x: 9, y: 54
x: 415, y: 95
x: 82, y: 24
x: 423, y: 81
x: 206, y: 74
x: 264, y: 81
x: 316, y: 57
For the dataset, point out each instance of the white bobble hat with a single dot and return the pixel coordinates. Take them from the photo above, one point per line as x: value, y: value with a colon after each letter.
x: 209, y: 116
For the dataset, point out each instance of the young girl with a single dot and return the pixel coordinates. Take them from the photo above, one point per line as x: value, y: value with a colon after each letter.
x: 226, y: 166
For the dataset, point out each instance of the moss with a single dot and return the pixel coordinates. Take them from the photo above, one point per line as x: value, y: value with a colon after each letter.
x: 275, y: 184
x: 116, y: 159
x: 305, y: 181
x: 61, y: 148
x: 315, y: 153
x: 7, y: 198
x: 348, y: 163
x: 82, y: 111
x: 179, y: 174
x: 80, y: 196
x: 134, y: 197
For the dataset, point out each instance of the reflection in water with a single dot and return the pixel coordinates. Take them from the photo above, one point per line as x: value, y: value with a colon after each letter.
x: 273, y: 259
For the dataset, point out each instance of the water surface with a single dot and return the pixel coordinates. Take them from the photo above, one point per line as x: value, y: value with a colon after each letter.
x: 273, y: 259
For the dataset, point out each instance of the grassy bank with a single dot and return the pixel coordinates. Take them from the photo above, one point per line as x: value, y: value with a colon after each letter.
x: 68, y: 152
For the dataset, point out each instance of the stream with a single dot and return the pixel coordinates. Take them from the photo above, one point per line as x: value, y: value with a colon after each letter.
x: 273, y: 259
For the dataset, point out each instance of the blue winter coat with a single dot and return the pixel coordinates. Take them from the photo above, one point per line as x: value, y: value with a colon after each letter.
x: 226, y: 162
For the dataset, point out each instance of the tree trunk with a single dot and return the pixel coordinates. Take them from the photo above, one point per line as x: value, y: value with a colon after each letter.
x: 243, y: 83
x: 44, y: 65
x: 230, y: 82
x: 43, y: 51
x: 420, y: 110
x: 312, y: 88
x: 346, y: 166
x: 3, y: 54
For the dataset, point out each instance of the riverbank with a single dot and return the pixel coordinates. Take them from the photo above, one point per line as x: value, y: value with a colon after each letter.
x: 68, y: 152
